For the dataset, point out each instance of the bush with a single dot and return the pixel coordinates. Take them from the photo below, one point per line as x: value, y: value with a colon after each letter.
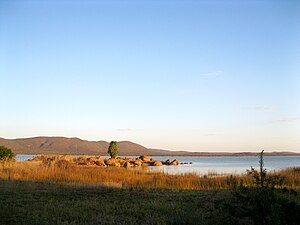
x: 262, y: 204
x: 264, y: 180
x: 6, y: 153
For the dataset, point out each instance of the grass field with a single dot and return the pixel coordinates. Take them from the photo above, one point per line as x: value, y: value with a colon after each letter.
x: 44, y: 203
x: 34, y: 193
x: 59, y: 172
x: 40, y: 203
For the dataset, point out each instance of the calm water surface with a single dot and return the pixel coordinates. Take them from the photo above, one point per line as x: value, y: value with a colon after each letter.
x: 222, y: 165
x: 227, y: 165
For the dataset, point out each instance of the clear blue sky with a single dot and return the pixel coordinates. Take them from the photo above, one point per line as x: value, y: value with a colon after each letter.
x: 179, y: 75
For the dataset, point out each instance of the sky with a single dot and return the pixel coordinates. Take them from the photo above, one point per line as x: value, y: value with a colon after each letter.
x: 177, y: 75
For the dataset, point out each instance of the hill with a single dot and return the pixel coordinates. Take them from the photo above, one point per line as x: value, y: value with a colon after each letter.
x: 63, y: 145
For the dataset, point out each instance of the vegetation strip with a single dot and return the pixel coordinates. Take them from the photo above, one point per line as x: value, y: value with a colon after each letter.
x: 52, y: 192
x: 24, y: 202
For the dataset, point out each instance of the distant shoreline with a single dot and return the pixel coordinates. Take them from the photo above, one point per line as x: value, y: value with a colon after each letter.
x: 186, y: 155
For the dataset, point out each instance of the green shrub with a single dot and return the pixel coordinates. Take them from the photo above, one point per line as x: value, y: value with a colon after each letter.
x: 260, y: 177
x: 6, y: 153
x: 262, y: 204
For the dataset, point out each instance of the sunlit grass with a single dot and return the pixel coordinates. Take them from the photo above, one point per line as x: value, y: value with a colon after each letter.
x: 129, y: 178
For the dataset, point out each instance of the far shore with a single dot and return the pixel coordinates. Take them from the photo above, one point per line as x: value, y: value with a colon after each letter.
x: 181, y: 155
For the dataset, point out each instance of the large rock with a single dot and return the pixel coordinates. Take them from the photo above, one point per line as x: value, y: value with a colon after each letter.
x: 81, y: 161
x: 116, y: 164
x: 121, y: 161
x: 168, y: 162
x: 156, y: 163
x: 90, y: 161
x: 175, y: 162
x: 127, y: 165
x: 137, y: 163
x: 100, y: 162
x: 145, y: 158
x: 110, y: 161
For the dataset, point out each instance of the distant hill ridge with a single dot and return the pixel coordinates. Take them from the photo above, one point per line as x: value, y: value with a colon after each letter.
x: 63, y: 145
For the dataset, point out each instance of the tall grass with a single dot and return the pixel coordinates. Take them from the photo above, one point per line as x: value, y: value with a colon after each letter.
x: 127, y: 178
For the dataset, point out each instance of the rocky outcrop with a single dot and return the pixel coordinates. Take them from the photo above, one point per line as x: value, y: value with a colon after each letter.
x: 64, y: 161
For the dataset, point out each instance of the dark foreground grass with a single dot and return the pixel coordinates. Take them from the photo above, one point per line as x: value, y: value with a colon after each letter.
x: 40, y: 203
x: 44, y: 203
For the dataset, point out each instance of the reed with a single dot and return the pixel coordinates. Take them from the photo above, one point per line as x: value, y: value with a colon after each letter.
x: 130, y: 178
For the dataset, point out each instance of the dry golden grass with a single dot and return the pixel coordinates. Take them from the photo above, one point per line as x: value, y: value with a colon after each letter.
x: 126, y: 178
x: 291, y: 177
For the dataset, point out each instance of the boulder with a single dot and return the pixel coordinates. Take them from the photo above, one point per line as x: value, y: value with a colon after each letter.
x: 127, y: 165
x: 121, y: 161
x: 168, y: 162
x: 110, y: 161
x: 137, y: 163
x: 100, y: 162
x: 175, y: 162
x: 116, y: 164
x: 81, y: 161
x: 90, y: 161
x: 156, y: 163
x: 144, y: 158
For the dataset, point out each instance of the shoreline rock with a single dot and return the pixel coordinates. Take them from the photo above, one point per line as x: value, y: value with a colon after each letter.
x: 67, y: 160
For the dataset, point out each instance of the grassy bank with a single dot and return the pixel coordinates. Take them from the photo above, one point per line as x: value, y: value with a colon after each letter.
x: 38, y: 193
x: 128, y: 178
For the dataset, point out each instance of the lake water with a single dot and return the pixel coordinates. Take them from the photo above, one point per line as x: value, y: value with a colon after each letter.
x: 227, y: 165
x: 211, y: 165
x: 24, y: 157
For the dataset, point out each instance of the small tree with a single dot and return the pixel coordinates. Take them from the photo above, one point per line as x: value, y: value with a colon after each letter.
x: 260, y: 177
x: 6, y: 153
x: 113, y: 149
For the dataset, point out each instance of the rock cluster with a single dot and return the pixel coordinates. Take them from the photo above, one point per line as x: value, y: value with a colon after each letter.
x: 67, y: 160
